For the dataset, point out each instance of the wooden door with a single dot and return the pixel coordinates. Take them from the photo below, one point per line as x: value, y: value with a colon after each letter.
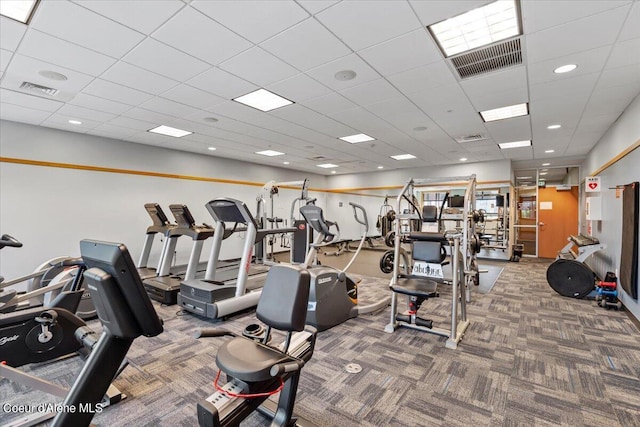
x: 557, y: 219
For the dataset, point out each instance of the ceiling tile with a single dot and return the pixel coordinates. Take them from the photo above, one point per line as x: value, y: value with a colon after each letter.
x: 170, y: 108
x: 5, y: 57
x: 56, y: 51
x: 303, y: 116
x: 306, y: 45
x: 579, y: 84
x: 589, y: 61
x: 99, y: 104
x: 328, y: 104
x: 137, y: 78
x: 423, y: 78
x: 402, y: 53
x: 16, y: 113
x: 201, y: 29
x: 143, y: 16
x: 576, y: 36
x: 609, y: 100
x: 116, y: 92
x: 625, y: 53
x: 29, y: 101
x: 540, y: 15
x: 433, y: 11
x: 522, y: 153
x: 23, y: 69
x: 371, y: 92
x: 598, y: 123
x: 361, y: 24
x: 221, y: 83
x: 628, y: 76
x: 402, y: 114
x: 112, y: 131
x: 315, y: 6
x: 87, y: 28
x: 631, y: 29
x: 128, y: 122
x: 74, y: 111
x: 299, y: 88
x: 497, y: 89
x: 325, y: 74
x: 11, y: 33
x: 515, y: 129
x: 259, y: 67
x: 61, y: 120
x: 165, y: 60
x: 500, y: 98
x: 191, y: 96
x: 147, y: 116
x: 254, y: 20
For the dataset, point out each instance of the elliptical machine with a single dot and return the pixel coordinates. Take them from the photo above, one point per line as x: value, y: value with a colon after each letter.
x: 333, y: 297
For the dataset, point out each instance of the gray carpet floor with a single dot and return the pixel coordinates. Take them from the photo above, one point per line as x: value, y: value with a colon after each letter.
x: 530, y: 357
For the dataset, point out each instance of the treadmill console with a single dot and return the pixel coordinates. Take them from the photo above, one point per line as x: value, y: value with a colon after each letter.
x: 230, y: 210
x: 157, y: 214
x: 183, y: 216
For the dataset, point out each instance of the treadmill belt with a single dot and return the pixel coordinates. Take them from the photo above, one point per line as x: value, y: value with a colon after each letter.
x: 227, y: 274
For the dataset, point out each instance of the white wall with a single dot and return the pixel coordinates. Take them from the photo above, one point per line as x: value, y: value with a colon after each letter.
x: 624, y: 133
x: 51, y: 209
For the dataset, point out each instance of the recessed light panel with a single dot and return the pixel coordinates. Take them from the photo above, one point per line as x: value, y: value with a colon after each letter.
x: 285, y: 163
x: 211, y: 148
x: 327, y: 166
x: 75, y: 122
x: 263, y: 100
x: 505, y: 112
x: 269, y: 153
x: 478, y: 27
x: 565, y: 68
x: 549, y: 151
x: 515, y: 144
x: 354, y: 139
x: 546, y: 164
x: 18, y: 10
x: 463, y: 159
x: 552, y: 127
x: 403, y: 157
x: 380, y: 167
x: 169, y: 131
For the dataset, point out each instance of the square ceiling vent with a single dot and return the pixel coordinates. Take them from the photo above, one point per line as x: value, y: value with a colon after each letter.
x: 498, y: 56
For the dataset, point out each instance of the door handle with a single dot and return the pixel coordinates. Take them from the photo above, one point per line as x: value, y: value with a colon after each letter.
x: 541, y: 224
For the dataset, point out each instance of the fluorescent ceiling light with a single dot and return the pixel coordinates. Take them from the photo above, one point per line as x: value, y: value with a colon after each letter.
x: 554, y: 127
x: 478, y: 27
x: 263, y: 100
x: 565, y: 68
x: 463, y: 159
x: 403, y: 157
x: 285, y: 163
x: 333, y: 171
x: 169, y: 131
x: 269, y: 153
x: 549, y: 151
x: 544, y: 170
x: 75, y: 122
x: 354, y: 139
x: 380, y: 167
x: 546, y: 164
x: 212, y: 148
x: 543, y: 173
x: 505, y: 112
x: 20, y: 10
x: 524, y: 177
x: 327, y: 166
x: 515, y: 144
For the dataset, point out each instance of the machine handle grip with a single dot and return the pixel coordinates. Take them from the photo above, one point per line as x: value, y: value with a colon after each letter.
x: 281, y: 368
x: 210, y: 333
x: 10, y: 241
x: 356, y: 207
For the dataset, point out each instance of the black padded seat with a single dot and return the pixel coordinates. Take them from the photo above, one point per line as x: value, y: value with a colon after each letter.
x: 424, y: 236
x: 416, y: 286
x: 248, y: 360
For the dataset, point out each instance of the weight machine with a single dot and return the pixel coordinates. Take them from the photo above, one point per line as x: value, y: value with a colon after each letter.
x: 299, y: 240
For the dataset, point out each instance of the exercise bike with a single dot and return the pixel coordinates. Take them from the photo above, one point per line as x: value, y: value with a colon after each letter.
x: 333, y: 297
x: 52, y: 284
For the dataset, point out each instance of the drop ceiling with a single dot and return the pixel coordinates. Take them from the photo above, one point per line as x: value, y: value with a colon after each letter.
x: 134, y: 65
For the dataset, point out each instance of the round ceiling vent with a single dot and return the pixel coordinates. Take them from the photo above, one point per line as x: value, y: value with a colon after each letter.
x: 345, y: 75
x: 52, y: 75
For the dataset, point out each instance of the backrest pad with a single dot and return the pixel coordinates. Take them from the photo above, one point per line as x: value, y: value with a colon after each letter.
x: 284, y: 299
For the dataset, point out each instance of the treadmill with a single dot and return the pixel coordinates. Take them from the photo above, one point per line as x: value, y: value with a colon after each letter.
x: 220, y: 294
x: 160, y: 225
x: 165, y: 286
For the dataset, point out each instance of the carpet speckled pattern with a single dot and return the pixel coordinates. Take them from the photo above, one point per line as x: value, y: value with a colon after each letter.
x: 529, y: 358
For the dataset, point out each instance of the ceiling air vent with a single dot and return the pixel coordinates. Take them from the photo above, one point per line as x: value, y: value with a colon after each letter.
x: 494, y: 57
x: 471, y: 138
x: 41, y: 90
x: 318, y: 158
